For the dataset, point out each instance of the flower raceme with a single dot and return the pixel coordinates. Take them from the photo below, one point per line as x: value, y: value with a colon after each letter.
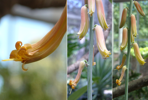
x: 138, y: 7
x: 124, y: 39
x: 101, y: 42
x: 137, y: 54
x: 123, y: 61
x: 118, y: 82
x: 123, y: 18
x: 133, y: 25
x: 101, y: 14
x: 31, y: 53
x: 91, y: 6
x: 84, y: 23
x: 73, y: 84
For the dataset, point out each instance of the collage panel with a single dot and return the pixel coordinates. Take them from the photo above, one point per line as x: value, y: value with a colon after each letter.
x: 33, y: 49
x: 89, y: 36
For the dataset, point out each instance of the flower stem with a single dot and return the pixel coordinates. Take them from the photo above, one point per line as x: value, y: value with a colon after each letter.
x: 89, y: 69
x: 128, y: 51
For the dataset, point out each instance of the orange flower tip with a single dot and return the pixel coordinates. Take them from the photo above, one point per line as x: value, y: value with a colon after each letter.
x: 23, y: 68
x: 118, y: 67
x: 7, y: 59
x: 118, y: 82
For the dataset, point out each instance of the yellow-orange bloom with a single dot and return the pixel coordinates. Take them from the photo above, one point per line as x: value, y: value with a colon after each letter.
x: 118, y: 82
x: 124, y: 39
x: 138, y: 7
x: 91, y: 6
x: 101, y: 14
x: 73, y: 84
x: 101, y: 42
x: 31, y: 53
x: 123, y: 18
x: 133, y: 25
x: 84, y: 23
x: 132, y: 37
x: 137, y: 54
x: 123, y: 61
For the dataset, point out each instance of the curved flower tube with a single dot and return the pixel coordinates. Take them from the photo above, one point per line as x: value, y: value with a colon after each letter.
x: 123, y: 61
x: 133, y: 25
x: 73, y: 84
x: 123, y: 18
x: 132, y: 37
x: 101, y: 42
x: 138, y: 7
x: 101, y: 14
x: 84, y: 23
x: 124, y: 39
x: 31, y: 53
x: 91, y: 6
x: 137, y: 54
x: 118, y: 82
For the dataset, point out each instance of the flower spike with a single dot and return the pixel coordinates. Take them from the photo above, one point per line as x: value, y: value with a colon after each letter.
x: 123, y: 61
x: 101, y: 14
x: 84, y: 23
x: 124, y: 39
x: 123, y: 18
x: 138, y: 7
x: 137, y: 54
x: 101, y: 42
x: 91, y: 6
x: 133, y: 25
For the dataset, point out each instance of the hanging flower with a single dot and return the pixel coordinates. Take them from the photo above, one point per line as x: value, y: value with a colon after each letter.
x: 132, y: 37
x: 101, y: 42
x: 138, y: 7
x: 124, y: 39
x: 73, y: 84
x: 137, y: 54
x: 123, y: 61
x: 123, y: 18
x: 133, y: 25
x: 118, y: 82
x: 101, y: 14
x: 31, y: 53
x: 84, y: 23
x: 91, y: 6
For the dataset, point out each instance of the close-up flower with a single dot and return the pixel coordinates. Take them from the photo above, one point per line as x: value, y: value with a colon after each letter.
x: 124, y: 39
x: 122, y: 64
x: 84, y: 22
x: 138, y: 7
x: 91, y: 6
x: 138, y: 54
x: 33, y: 52
x: 123, y: 18
x: 133, y: 25
x: 101, y: 42
x: 101, y: 14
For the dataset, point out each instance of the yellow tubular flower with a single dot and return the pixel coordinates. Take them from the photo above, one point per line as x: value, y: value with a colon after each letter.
x: 73, y: 84
x: 138, y: 7
x: 91, y: 6
x: 124, y: 39
x: 84, y: 23
x: 31, y: 53
x: 133, y: 25
x: 137, y: 54
x: 101, y: 14
x: 123, y: 61
x: 123, y: 18
x: 118, y: 82
x: 132, y: 37
x: 101, y: 42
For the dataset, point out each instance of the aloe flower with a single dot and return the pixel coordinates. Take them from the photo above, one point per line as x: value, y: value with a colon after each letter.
x: 73, y: 84
x: 91, y: 6
x: 137, y: 54
x: 84, y: 23
x: 123, y: 61
x: 132, y: 37
x: 118, y: 82
x: 101, y: 42
x: 33, y: 52
x: 138, y: 7
x: 123, y: 18
x: 133, y: 25
x: 124, y: 39
x: 101, y: 14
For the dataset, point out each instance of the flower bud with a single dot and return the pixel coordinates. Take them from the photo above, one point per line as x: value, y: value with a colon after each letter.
x: 123, y: 61
x: 138, y: 7
x: 101, y: 42
x: 84, y: 23
x: 124, y: 39
x: 91, y: 6
x: 137, y: 54
x: 133, y: 25
x: 123, y: 18
x: 101, y: 15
